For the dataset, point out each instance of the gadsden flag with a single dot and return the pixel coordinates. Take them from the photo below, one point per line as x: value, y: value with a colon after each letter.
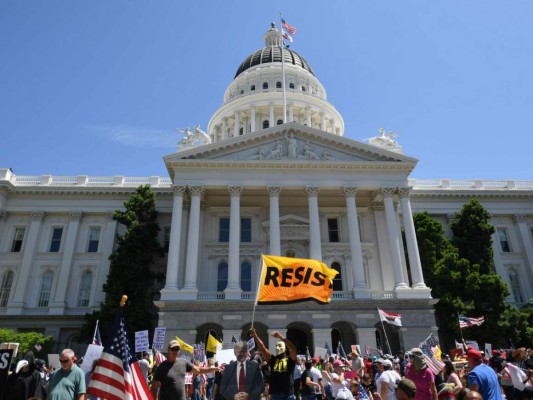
x: 286, y: 279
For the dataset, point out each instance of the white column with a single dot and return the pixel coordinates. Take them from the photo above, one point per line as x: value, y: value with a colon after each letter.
x: 190, y: 291
x: 59, y: 302
x: 224, y: 129
x: 233, y: 290
x: 271, y: 117
x: 275, y: 234
x: 315, y: 250
x: 308, y: 117
x: 171, y: 283
x: 291, y: 112
x: 3, y: 218
x: 410, y: 237
x: 525, y: 239
x: 236, y: 124
x: 360, y: 288
x: 23, y: 278
x: 252, y: 120
x: 108, y: 242
x: 393, y: 235
x: 323, y: 122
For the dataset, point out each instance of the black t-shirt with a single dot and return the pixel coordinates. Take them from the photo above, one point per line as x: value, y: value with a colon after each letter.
x: 172, y: 378
x: 307, y: 389
x: 281, y: 375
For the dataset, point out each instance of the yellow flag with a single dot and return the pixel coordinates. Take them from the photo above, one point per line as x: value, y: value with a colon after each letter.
x: 286, y: 279
x: 185, y: 346
x: 212, y: 344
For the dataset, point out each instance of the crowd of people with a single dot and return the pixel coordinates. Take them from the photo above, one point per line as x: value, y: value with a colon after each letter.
x: 284, y: 375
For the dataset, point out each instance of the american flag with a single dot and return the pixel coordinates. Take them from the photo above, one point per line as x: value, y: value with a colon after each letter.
x: 287, y: 37
x: 97, y: 339
x: 117, y: 375
x: 363, y: 395
x: 289, y: 28
x: 159, y: 357
x: 465, y: 322
x: 341, y: 352
x: 431, y: 349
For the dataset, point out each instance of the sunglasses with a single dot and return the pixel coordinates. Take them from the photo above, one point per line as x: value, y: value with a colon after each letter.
x: 64, y: 361
x: 175, y: 348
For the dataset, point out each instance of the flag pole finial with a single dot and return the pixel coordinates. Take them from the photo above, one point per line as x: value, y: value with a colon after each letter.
x: 123, y: 300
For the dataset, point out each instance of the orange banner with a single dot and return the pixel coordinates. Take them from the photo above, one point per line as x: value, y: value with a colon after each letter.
x: 286, y: 279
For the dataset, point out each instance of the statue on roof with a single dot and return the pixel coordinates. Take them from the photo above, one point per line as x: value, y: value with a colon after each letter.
x: 386, y: 141
x: 195, y: 138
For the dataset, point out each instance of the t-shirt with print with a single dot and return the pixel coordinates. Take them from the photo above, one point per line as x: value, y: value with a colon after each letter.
x: 281, y: 375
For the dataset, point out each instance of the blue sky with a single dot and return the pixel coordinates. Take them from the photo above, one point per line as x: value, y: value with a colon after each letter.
x: 98, y: 87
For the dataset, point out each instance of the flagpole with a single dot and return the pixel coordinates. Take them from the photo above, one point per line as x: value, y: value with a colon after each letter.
x: 283, y: 70
x: 95, y: 330
x: 384, y: 332
x: 257, y: 291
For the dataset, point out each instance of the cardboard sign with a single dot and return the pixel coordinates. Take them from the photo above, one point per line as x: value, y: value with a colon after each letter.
x: 141, y: 341
x: 6, y: 355
x: 159, y: 338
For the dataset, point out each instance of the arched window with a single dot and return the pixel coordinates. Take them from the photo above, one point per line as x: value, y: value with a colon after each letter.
x: 265, y: 85
x: 242, y: 91
x: 5, y: 288
x: 241, y: 130
x: 291, y: 85
x: 266, y: 124
x: 46, y: 288
x: 222, y: 277
x: 279, y: 122
x: 246, y: 277
x: 252, y: 88
x: 337, y: 281
x: 85, y: 289
x: 516, y: 289
x: 278, y: 85
x: 303, y: 88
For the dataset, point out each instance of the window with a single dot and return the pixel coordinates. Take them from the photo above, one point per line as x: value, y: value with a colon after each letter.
x: 5, y: 288
x: 166, y: 239
x: 18, y: 237
x: 241, y: 130
x: 246, y: 277
x: 252, y: 88
x: 222, y: 276
x: 333, y: 230
x: 279, y: 121
x: 291, y: 85
x: 303, y: 88
x: 46, y: 287
x: 55, y: 243
x: 278, y: 85
x: 246, y: 230
x: 94, y: 240
x: 223, y: 230
x: 85, y: 289
x: 516, y: 290
x: 503, y: 239
x: 265, y: 85
x: 242, y: 91
x: 266, y: 124
x: 337, y: 281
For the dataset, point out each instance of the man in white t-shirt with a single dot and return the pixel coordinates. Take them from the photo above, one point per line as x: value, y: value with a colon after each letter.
x: 386, y: 382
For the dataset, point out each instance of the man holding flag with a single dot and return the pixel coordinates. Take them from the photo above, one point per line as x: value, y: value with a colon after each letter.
x: 169, y: 378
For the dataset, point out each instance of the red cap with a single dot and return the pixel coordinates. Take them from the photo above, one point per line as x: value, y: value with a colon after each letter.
x: 476, y: 355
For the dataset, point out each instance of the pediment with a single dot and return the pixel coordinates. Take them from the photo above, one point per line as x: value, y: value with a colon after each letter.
x: 292, y: 143
x: 290, y: 220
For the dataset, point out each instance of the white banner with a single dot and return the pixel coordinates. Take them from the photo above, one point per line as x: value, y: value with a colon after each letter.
x: 141, y: 341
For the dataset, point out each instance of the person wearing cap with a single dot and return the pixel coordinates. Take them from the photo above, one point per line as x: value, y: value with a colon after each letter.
x: 281, y: 383
x: 405, y: 389
x: 68, y: 382
x: 358, y: 364
x: 482, y: 378
x: 339, y: 385
x: 168, y: 382
x: 387, y: 380
x: 252, y: 385
x: 422, y: 376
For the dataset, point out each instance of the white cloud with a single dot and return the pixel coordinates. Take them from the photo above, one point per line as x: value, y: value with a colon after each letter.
x: 138, y: 136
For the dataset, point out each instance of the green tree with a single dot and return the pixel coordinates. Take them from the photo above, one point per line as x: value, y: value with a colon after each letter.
x: 131, y: 270
x: 472, y: 235
x: 27, y: 342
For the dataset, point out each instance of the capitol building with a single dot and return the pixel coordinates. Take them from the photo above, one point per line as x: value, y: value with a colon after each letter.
x: 273, y: 174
